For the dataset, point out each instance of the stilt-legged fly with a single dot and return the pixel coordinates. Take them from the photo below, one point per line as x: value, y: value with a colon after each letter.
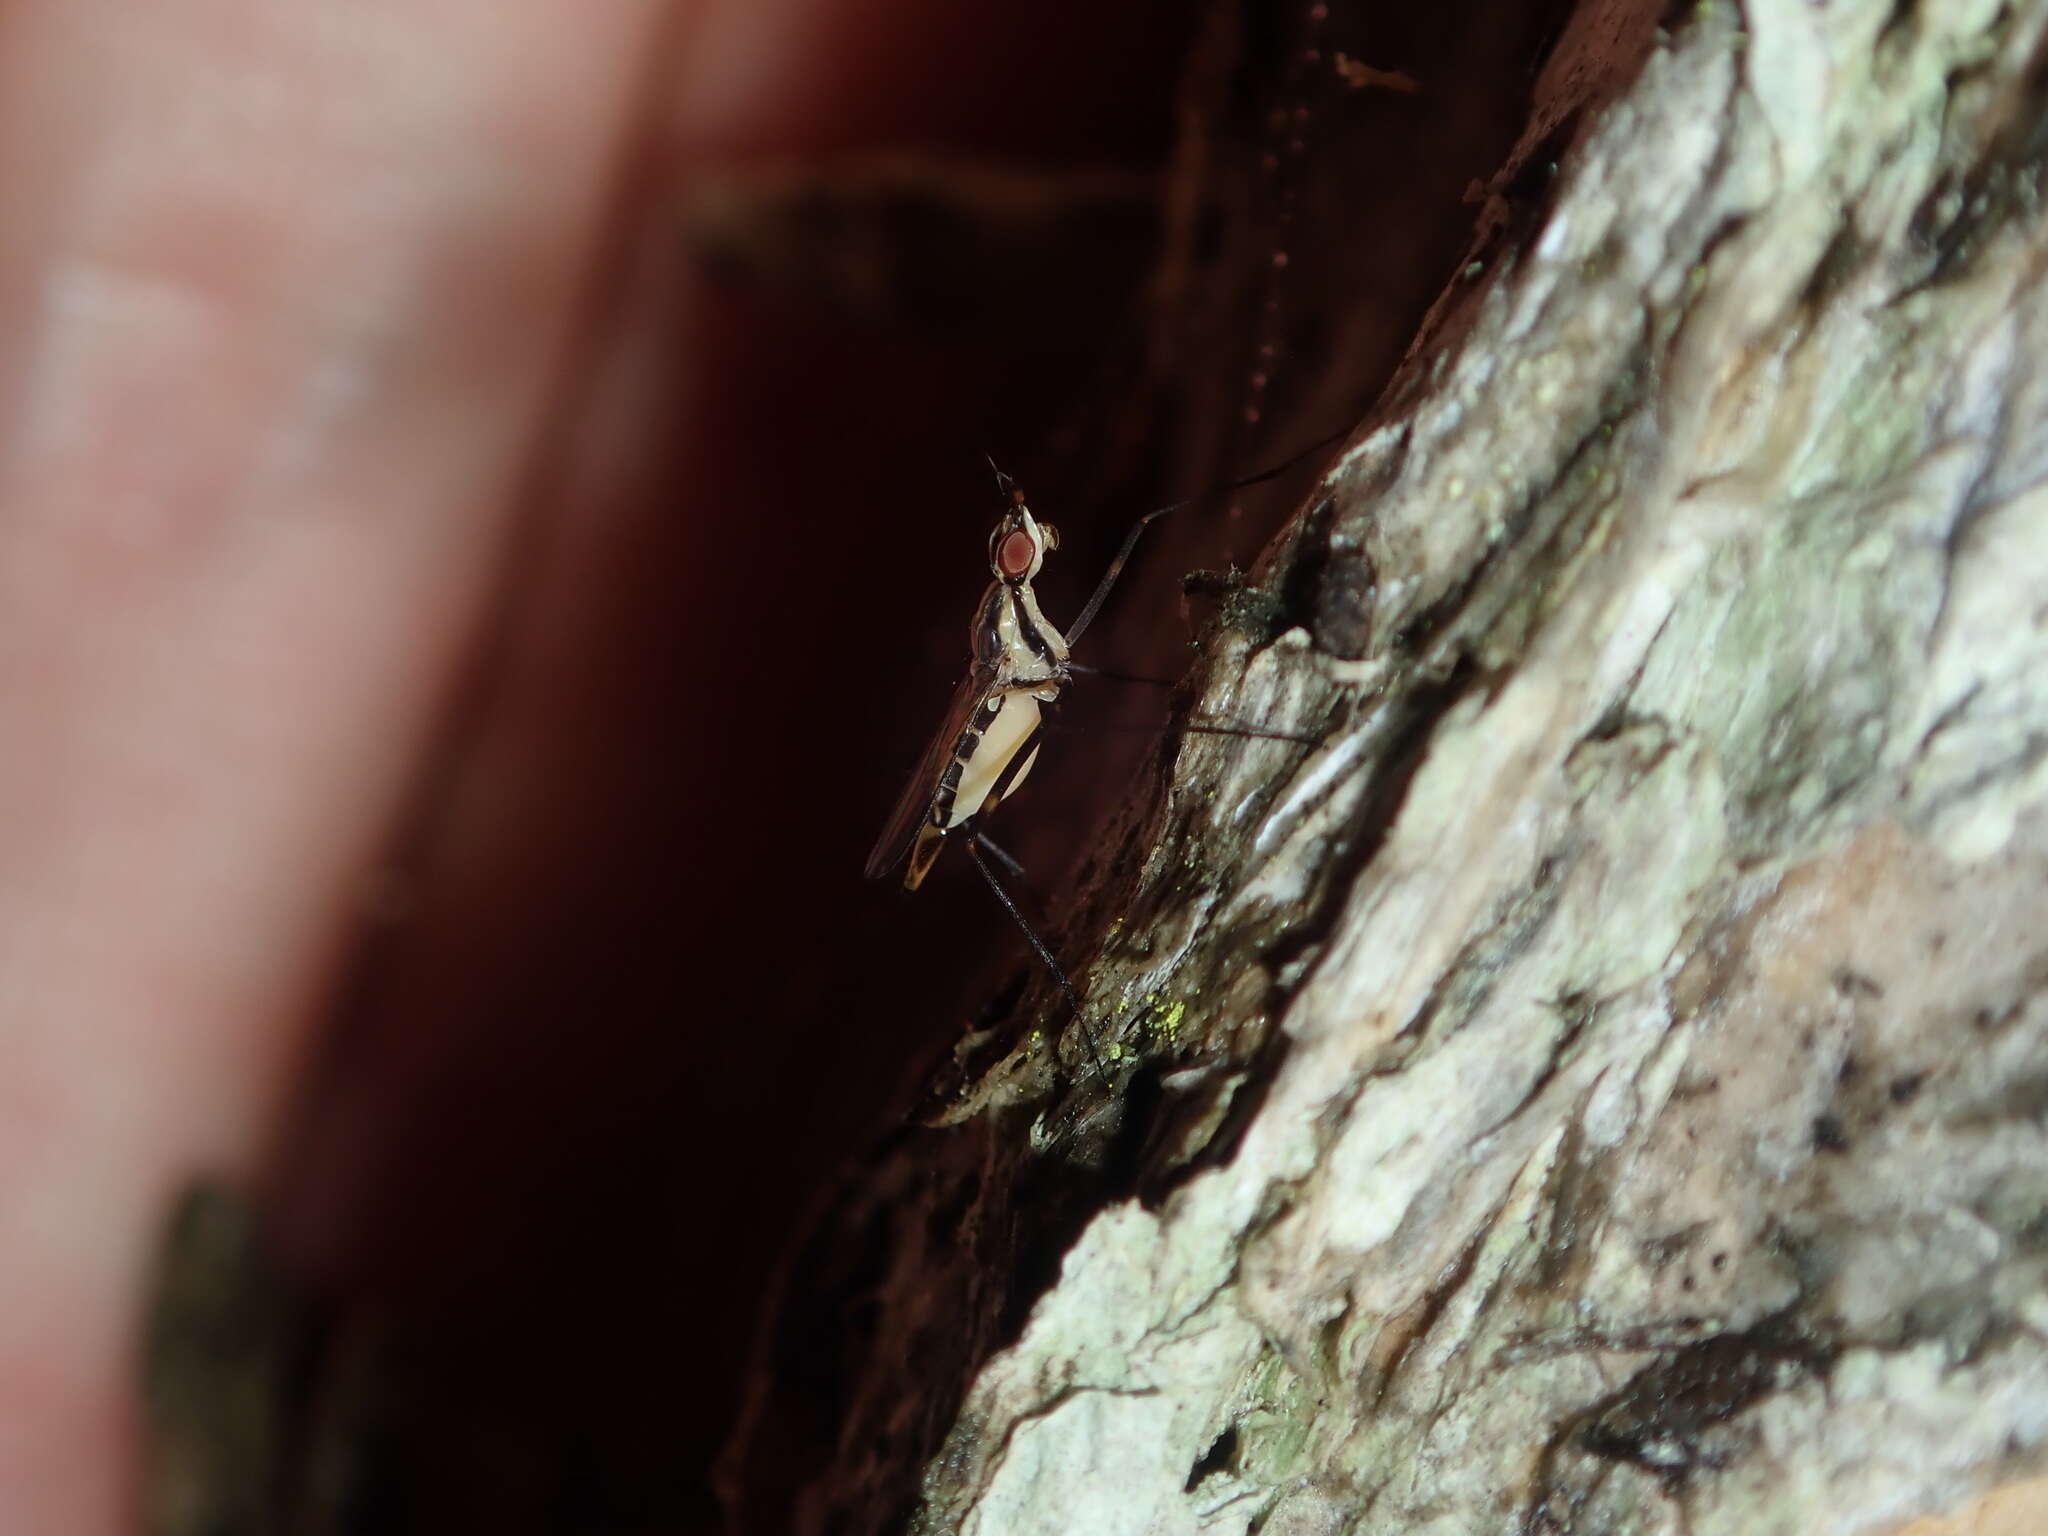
x: 989, y: 739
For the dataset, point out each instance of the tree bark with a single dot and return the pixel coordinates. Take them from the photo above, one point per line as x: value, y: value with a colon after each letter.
x: 1583, y: 1069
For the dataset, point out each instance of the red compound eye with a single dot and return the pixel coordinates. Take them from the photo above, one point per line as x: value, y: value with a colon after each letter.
x: 1015, y: 553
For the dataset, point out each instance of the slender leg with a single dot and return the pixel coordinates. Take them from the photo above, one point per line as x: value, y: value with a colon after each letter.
x: 1045, y: 956
x: 1020, y: 888
x: 1123, y: 555
x: 1169, y: 727
x: 1249, y: 732
x: 999, y: 853
x: 1206, y: 727
x: 1122, y: 677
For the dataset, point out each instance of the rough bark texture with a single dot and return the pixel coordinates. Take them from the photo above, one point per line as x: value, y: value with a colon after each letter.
x: 1596, y: 1080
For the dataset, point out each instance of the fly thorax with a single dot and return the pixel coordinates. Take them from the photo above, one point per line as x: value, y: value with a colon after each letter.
x: 1054, y: 642
x: 984, y: 635
x: 1032, y: 650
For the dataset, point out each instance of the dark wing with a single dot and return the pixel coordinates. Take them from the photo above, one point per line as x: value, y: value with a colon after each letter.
x: 914, y: 806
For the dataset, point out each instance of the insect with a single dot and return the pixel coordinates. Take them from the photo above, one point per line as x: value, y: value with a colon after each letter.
x: 989, y: 738
x: 988, y: 741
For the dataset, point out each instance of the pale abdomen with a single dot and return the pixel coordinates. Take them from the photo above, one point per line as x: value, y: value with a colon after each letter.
x: 1014, y: 730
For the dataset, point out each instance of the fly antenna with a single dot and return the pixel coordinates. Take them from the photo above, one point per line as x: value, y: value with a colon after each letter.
x: 1004, y: 483
x: 1123, y: 555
